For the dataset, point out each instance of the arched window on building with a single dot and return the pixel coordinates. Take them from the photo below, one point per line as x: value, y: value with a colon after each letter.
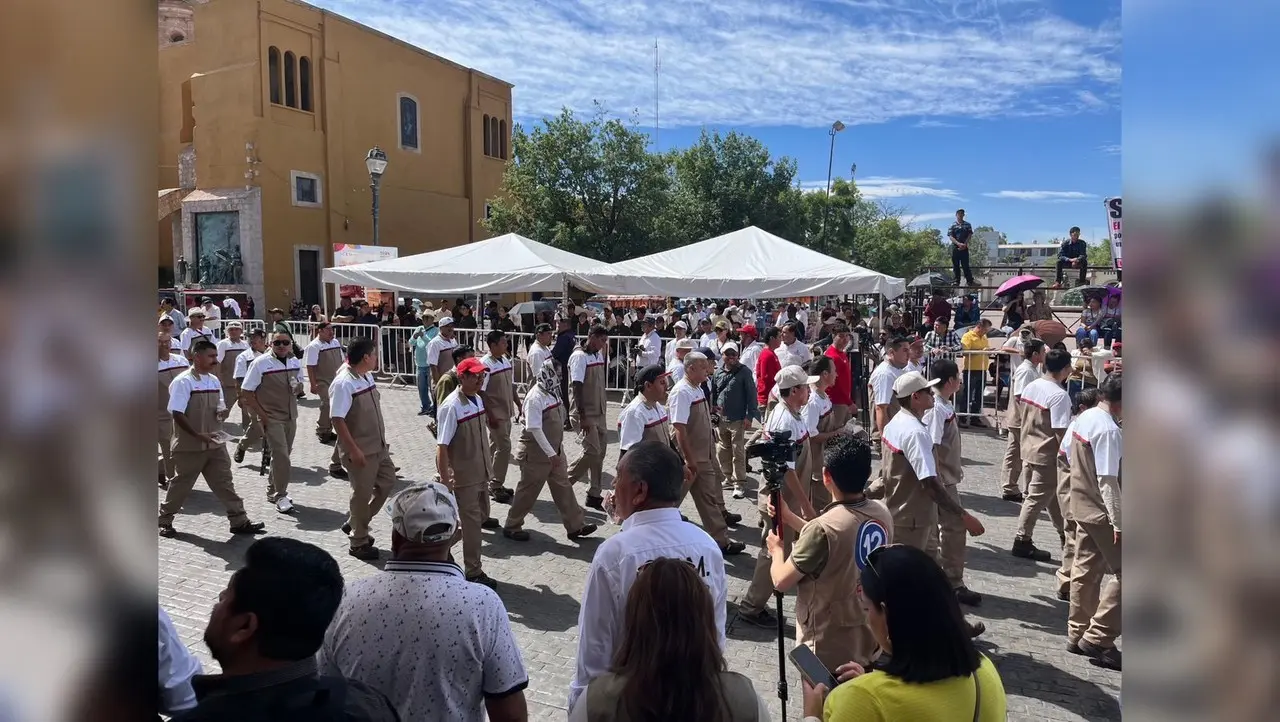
x: 273, y: 73
x: 493, y: 134
x: 502, y: 139
x: 290, y: 80
x: 409, y: 135
x: 304, y: 82
x: 488, y: 140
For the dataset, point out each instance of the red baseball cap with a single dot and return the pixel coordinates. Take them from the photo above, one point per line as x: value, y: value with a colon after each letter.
x: 472, y: 366
x: 749, y: 328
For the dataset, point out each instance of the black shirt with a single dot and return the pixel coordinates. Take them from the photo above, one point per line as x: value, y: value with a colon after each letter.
x: 369, y: 318
x: 289, y: 694
x: 465, y: 322
x: 960, y: 232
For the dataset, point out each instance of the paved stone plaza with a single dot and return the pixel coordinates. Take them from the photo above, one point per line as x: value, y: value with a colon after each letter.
x: 540, y: 581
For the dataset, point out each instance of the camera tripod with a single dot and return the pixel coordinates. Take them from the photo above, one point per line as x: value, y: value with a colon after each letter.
x: 774, y: 479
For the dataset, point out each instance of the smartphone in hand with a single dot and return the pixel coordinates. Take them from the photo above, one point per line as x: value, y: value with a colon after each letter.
x: 811, y: 668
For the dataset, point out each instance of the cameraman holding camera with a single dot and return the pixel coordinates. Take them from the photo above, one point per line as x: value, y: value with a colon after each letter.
x: 787, y: 416
x: 829, y: 555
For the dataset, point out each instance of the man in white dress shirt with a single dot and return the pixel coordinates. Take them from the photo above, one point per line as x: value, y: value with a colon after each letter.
x: 1011, y: 471
x: 646, y: 497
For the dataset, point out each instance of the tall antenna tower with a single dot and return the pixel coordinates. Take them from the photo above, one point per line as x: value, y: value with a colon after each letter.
x: 657, y: 66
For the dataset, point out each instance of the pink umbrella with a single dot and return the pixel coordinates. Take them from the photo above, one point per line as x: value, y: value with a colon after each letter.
x: 1018, y: 284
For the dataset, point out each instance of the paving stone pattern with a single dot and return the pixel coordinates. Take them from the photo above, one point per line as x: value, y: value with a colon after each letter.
x: 540, y: 581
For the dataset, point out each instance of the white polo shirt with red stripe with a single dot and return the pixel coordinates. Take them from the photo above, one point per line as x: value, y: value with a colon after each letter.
x: 781, y: 419
x: 635, y: 418
x: 456, y: 409
x: 684, y: 397
x: 907, y: 435
x: 496, y: 366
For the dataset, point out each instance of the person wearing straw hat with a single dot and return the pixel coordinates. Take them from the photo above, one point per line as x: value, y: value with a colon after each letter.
x: 540, y: 456
x: 195, y: 331
x: 913, y: 491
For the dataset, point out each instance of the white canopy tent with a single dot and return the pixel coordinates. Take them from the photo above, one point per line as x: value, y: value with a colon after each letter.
x: 505, y: 264
x: 749, y: 263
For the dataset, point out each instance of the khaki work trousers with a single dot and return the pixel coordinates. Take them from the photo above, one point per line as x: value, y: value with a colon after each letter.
x: 165, y: 437
x: 1042, y: 493
x: 761, y: 587
x: 1012, y: 468
x: 1095, y: 608
x: 533, y: 476
x: 916, y: 532
x: 731, y: 449
x: 252, y: 432
x: 819, y: 497
x: 230, y: 396
x: 500, y: 448
x: 370, y: 486
x: 840, y: 414
x: 708, y: 499
x: 591, y: 463
x: 324, y: 425
x: 473, y: 510
x: 1069, y: 529
x: 947, y: 541
x: 280, y: 435
x: 215, y: 465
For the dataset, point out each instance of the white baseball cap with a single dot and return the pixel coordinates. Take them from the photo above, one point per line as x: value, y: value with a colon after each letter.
x: 195, y: 311
x: 686, y: 343
x: 446, y: 321
x: 729, y: 347
x: 426, y: 513
x: 681, y: 324
x: 793, y: 376
x: 911, y: 382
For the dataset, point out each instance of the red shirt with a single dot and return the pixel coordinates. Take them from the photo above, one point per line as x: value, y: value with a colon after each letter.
x: 841, y: 392
x: 767, y: 367
x: 938, y: 309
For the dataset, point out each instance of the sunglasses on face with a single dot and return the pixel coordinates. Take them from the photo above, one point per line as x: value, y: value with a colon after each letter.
x: 281, y: 342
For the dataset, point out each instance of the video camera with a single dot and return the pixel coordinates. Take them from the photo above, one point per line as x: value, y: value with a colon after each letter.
x: 775, y: 452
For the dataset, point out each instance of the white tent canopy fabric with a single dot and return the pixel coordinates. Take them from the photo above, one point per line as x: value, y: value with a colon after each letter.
x: 749, y: 263
x: 505, y: 264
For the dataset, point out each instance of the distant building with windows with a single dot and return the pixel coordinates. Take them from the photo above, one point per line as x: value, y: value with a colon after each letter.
x: 267, y: 111
x: 1031, y: 253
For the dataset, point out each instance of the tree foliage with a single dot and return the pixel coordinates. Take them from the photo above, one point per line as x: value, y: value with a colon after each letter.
x: 591, y: 186
x: 1100, y: 254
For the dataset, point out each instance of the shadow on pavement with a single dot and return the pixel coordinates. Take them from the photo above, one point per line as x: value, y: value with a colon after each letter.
x: 1026, y: 676
x: 539, y: 607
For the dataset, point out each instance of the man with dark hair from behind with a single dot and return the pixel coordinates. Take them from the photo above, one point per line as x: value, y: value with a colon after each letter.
x: 647, y: 490
x: 824, y: 565
x: 265, y: 631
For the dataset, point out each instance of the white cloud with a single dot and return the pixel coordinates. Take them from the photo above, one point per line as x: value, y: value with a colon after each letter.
x: 912, y: 218
x: 1052, y: 196
x: 1110, y: 148
x: 768, y: 62
x: 879, y: 187
x: 1090, y: 99
x: 927, y: 123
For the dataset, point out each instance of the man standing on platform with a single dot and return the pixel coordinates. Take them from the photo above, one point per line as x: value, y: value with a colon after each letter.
x: 356, y: 411
x: 587, y: 379
x: 498, y: 392
x: 464, y: 461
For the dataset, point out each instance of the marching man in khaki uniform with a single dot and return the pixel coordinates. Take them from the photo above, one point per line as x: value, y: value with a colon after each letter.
x: 253, y: 427
x: 1094, y: 455
x: 541, y: 459
x: 195, y: 400
x: 949, y: 538
x: 830, y: 555
x: 195, y: 331
x: 499, y: 394
x: 229, y: 349
x: 356, y: 411
x: 819, y: 413
x: 897, y: 352
x: 1033, y: 352
x: 465, y: 464
x: 1045, y: 415
x: 645, y: 417
x: 171, y: 364
x: 914, y: 492
x: 695, y: 438
x: 587, y: 382
x: 270, y: 387
x: 440, y: 350
x: 793, y: 386
x: 323, y: 357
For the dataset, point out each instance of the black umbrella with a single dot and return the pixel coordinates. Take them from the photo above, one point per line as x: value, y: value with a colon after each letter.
x: 532, y: 307
x: 926, y: 280
x: 1080, y: 294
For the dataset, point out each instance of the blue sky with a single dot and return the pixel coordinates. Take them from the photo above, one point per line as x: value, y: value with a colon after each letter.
x: 1007, y: 108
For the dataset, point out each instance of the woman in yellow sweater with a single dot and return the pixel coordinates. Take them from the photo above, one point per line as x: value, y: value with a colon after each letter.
x: 932, y: 673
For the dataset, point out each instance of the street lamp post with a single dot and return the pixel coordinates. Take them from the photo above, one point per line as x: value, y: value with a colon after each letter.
x: 836, y: 127
x: 376, y: 162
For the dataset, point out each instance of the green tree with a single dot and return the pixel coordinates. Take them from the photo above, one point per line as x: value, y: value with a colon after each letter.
x: 978, y: 252
x: 725, y: 183
x: 1100, y: 254
x: 886, y: 246
x: 588, y: 186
